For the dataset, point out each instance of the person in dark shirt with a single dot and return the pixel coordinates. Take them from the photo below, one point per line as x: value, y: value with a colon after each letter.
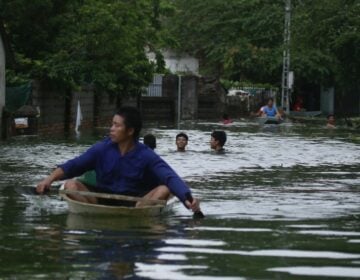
x: 181, y: 142
x: 121, y: 163
x: 150, y: 141
x: 218, y: 140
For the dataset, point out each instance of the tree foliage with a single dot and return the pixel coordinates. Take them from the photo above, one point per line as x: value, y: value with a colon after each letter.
x: 234, y: 39
x: 94, y: 41
x: 243, y: 40
x: 326, y: 42
x: 103, y: 41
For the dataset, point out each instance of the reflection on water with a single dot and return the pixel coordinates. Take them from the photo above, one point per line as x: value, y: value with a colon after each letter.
x: 327, y: 271
x: 266, y: 253
x: 282, y: 202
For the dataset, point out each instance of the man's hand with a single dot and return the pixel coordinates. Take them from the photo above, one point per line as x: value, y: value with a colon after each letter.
x: 194, y: 205
x: 43, y: 186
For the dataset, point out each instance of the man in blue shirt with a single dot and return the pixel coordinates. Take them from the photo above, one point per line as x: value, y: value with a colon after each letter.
x: 269, y: 110
x: 121, y: 165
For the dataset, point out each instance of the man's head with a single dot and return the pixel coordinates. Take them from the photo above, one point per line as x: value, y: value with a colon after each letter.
x: 181, y: 141
x: 270, y: 102
x: 218, y: 139
x: 331, y: 119
x: 150, y: 141
x: 126, y: 124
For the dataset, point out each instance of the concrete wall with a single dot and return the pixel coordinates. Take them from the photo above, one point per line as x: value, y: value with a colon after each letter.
x: 104, y: 108
x: 201, y: 98
x: 58, y: 109
x: 158, y: 109
x: 2, y: 82
x: 51, y: 105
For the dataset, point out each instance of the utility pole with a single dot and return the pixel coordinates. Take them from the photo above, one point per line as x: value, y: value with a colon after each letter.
x: 2, y: 82
x: 179, y: 105
x: 285, y: 85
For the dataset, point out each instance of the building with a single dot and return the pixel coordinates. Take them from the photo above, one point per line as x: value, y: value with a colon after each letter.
x: 178, y: 63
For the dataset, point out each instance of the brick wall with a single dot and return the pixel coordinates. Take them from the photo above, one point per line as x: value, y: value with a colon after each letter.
x: 157, y: 109
x: 201, y: 98
x: 50, y: 102
x: 58, y: 109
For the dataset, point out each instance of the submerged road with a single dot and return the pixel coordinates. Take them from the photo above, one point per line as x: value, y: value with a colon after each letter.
x: 282, y: 202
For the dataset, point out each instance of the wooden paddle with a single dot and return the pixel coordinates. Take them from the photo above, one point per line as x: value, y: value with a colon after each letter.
x: 32, y: 190
x: 114, y: 196
x: 197, y: 214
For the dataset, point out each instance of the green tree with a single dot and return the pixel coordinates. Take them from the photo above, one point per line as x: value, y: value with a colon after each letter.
x: 234, y: 39
x: 243, y: 40
x: 326, y: 40
x: 94, y: 41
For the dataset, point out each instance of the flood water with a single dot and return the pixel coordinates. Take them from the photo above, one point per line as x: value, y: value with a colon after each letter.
x: 283, y: 202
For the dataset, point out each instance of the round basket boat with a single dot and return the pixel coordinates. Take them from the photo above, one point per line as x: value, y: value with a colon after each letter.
x: 99, y: 209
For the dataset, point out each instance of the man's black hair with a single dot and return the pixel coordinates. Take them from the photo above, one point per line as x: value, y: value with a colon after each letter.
x: 132, y: 119
x: 330, y: 115
x: 219, y: 135
x: 182, y: 134
x: 270, y: 98
x: 150, y: 141
x: 225, y: 116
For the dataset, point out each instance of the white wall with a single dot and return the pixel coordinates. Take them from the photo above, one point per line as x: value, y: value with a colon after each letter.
x: 176, y: 63
x: 181, y: 63
x: 2, y: 80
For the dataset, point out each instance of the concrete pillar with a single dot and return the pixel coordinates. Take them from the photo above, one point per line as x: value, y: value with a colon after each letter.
x: 189, y: 98
x: 2, y: 82
x: 327, y: 98
x: 170, y: 88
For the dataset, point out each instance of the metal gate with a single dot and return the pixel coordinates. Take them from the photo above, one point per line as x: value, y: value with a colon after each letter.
x: 155, y: 88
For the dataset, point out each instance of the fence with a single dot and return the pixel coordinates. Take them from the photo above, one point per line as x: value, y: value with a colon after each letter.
x: 155, y: 88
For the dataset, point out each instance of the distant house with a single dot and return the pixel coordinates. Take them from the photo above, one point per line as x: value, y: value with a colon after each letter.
x: 178, y: 63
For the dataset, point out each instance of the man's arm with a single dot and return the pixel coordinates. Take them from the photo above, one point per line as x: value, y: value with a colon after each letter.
x: 45, y: 184
x: 175, y: 184
x: 277, y: 114
x: 85, y: 162
x: 72, y: 168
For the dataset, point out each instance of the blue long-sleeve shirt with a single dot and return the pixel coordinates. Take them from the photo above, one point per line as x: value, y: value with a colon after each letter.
x: 127, y: 173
